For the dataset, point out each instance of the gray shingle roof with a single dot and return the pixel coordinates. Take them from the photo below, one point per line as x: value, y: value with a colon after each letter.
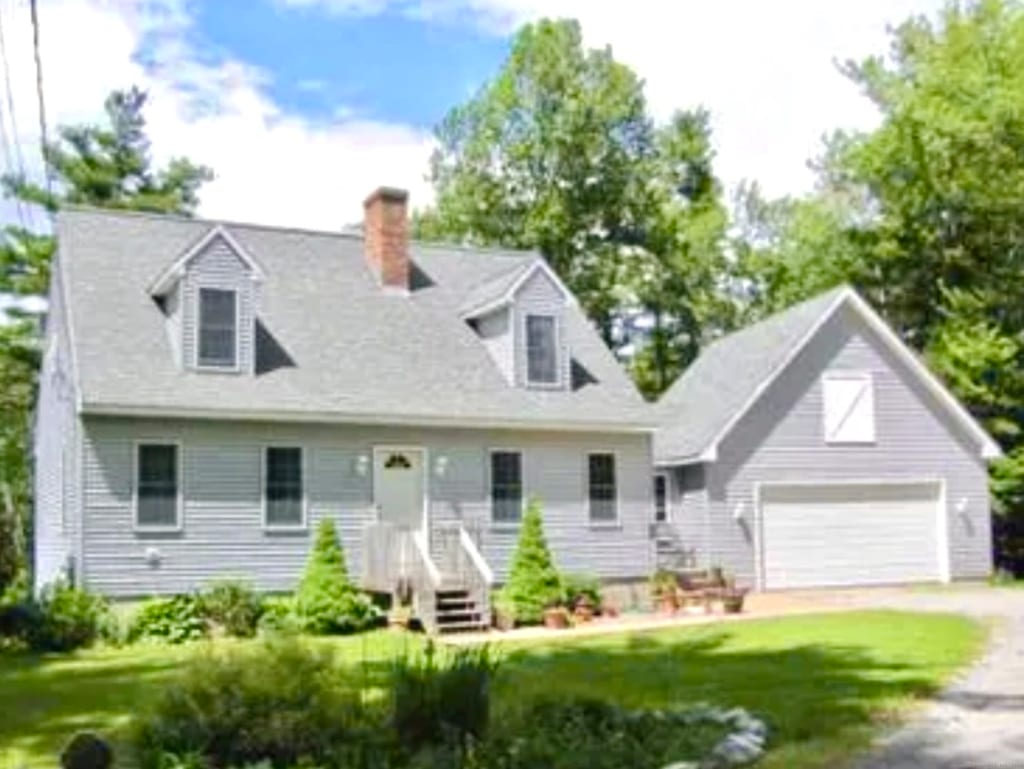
x: 359, y: 352
x: 490, y: 291
x: 693, y: 413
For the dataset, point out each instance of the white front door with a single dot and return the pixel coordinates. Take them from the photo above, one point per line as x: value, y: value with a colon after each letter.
x: 398, y: 489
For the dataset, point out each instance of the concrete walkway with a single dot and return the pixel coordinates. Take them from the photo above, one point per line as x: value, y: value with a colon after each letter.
x: 978, y: 722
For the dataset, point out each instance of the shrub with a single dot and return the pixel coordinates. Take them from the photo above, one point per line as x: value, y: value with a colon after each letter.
x: 63, y: 618
x: 326, y: 601
x: 579, y: 587
x: 534, y: 583
x: 171, y: 620
x: 589, y: 734
x: 279, y: 615
x: 281, y: 701
x: 233, y: 606
x: 436, y: 700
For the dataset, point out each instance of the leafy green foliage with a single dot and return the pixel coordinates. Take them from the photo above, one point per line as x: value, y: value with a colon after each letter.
x: 559, y: 153
x: 534, y: 582
x: 580, y: 587
x: 282, y: 701
x: 592, y: 734
x: 439, y: 698
x: 61, y: 619
x: 171, y: 620
x: 233, y: 606
x: 326, y: 600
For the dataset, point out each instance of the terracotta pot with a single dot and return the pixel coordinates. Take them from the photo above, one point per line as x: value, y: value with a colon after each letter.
x: 668, y: 604
x: 556, y: 619
x: 732, y: 603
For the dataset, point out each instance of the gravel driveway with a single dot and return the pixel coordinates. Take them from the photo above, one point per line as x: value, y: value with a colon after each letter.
x: 978, y: 722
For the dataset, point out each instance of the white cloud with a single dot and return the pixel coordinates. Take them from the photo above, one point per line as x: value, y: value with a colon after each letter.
x: 765, y: 70
x: 271, y: 166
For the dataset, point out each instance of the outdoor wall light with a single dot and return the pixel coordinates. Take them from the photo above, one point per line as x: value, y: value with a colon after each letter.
x: 152, y: 556
x: 361, y: 465
x: 441, y: 466
x: 739, y: 511
x: 961, y: 505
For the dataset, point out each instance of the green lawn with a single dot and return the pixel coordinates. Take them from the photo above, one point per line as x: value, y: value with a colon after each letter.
x: 825, y: 683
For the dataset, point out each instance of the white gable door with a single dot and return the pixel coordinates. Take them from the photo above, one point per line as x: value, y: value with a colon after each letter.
x: 398, y: 486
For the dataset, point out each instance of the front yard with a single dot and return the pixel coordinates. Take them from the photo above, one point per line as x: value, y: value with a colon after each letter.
x: 826, y: 684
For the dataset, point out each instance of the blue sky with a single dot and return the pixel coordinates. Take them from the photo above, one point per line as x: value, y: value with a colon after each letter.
x: 302, y: 107
x: 386, y: 67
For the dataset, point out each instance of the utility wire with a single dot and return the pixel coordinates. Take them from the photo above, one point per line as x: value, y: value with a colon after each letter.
x: 43, y: 139
x: 19, y: 168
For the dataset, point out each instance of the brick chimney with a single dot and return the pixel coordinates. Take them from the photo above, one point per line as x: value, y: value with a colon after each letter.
x: 386, y: 237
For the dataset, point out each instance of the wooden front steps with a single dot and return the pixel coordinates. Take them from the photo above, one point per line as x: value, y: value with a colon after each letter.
x: 456, y: 609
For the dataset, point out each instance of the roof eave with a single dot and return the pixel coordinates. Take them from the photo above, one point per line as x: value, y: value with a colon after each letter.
x: 87, y: 408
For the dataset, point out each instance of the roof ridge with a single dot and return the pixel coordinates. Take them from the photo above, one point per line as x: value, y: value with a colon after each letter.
x: 128, y: 213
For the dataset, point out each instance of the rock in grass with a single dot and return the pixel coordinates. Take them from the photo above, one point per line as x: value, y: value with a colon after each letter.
x: 86, y: 751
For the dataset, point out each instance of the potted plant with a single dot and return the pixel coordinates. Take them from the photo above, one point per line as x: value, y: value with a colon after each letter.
x: 732, y: 597
x: 504, y: 615
x: 556, y: 618
x: 664, y: 591
x: 717, y: 577
x: 584, y: 609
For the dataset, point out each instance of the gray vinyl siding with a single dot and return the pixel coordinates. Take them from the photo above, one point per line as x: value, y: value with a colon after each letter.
x: 173, y: 313
x: 781, y: 439
x: 540, y: 296
x: 495, y: 331
x: 688, y: 509
x: 218, y: 267
x: 55, y: 451
x: 222, y: 532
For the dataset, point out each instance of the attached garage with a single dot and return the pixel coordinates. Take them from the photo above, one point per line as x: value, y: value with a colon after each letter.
x: 816, y: 535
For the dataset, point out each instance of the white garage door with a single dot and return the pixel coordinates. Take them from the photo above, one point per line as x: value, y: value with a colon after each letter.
x: 850, y: 534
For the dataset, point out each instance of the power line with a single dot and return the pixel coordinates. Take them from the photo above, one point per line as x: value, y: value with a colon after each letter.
x: 7, y: 141
x: 44, y: 141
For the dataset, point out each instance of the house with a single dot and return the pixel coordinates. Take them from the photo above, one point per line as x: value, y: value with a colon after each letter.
x: 212, y: 390
x: 815, y: 449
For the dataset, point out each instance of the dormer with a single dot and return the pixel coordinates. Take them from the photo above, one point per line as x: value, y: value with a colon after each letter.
x: 521, y: 317
x: 209, y: 297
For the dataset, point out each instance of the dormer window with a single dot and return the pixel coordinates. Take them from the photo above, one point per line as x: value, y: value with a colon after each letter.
x: 218, y: 329
x: 541, y: 349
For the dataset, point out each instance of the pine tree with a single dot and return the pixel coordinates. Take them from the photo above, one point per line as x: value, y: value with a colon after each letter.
x: 327, y: 601
x: 534, y: 582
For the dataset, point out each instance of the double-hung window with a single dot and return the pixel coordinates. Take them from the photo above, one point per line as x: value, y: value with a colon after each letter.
x: 541, y: 349
x: 506, y: 486
x: 660, y: 498
x: 283, y: 493
x: 602, y: 489
x: 157, y: 482
x: 218, y: 328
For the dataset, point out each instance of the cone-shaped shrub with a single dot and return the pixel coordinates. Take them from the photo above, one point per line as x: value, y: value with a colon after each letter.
x: 327, y: 601
x: 533, y: 581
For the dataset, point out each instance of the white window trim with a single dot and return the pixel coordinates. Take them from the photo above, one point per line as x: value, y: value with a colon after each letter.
x: 668, y: 497
x: 237, y: 367
x: 179, y: 483
x: 495, y: 524
x: 847, y: 375
x: 614, y: 523
x: 303, y: 525
x: 558, y: 382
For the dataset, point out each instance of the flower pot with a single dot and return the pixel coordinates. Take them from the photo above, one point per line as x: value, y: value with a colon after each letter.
x: 732, y: 602
x: 584, y: 612
x: 556, y: 619
x: 668, y: 603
